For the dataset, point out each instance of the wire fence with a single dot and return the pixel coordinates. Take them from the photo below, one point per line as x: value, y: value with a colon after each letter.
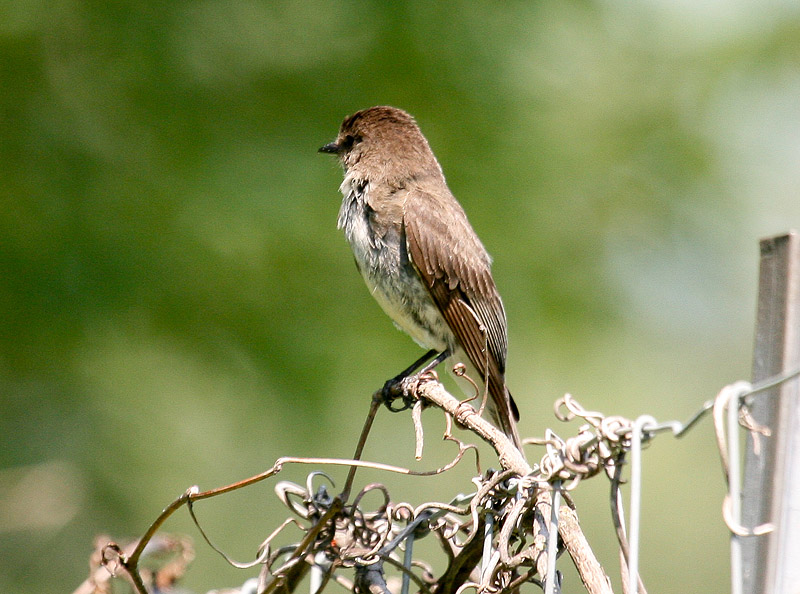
x: 490, y: 552
x: 603, y: 440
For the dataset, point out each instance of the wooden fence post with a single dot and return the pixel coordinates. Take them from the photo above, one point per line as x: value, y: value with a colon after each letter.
x: 771, y: 487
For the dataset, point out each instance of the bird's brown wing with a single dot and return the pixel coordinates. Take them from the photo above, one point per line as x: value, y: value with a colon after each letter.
x: 455, y: 267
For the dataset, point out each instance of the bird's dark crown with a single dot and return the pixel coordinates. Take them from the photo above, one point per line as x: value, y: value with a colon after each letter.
x: 381, y: 116
x: 383, y: 136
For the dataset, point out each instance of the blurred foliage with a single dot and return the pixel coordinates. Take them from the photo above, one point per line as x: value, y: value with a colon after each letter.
x: 177, y: 306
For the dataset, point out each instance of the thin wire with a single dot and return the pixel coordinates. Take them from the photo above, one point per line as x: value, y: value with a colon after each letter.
x: 639, y: 427
x: 678, y: 428
x: 550, y: 586
x: 488, y: 535
x: 771, y: 382
x: 317, y: 572
x: 407, y: 558
x: 733, y: 395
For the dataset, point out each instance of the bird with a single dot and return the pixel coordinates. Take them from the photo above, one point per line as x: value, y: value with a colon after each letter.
x: 418, y: 254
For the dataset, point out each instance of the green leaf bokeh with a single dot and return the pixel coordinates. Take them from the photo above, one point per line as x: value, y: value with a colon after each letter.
x: 178, y: 307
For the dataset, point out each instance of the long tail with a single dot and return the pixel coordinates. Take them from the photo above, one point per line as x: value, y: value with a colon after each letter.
x: 501, y: 406
x: 503, y: 411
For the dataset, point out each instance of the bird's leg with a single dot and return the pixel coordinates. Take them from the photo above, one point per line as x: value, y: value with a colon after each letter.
x: 439, y: 358
x: 413, y: 367
x: 392, y: 388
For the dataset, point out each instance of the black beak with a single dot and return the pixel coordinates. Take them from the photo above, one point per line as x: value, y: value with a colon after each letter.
x: 331, y: 147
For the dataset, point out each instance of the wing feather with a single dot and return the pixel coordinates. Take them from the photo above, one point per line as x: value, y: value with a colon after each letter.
x: 456, y: 269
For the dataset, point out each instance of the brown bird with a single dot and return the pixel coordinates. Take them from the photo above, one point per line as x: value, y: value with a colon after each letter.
x: 417, y: 252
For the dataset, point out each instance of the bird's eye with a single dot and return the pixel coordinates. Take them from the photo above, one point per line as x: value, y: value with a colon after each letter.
x: 350, y: 140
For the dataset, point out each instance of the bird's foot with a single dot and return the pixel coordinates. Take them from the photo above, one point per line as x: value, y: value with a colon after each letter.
x: 400, y: 386
x: 396, y: 389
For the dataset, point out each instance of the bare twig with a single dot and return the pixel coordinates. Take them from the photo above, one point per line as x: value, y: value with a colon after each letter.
x: 416, y: 415
x: 362, y: 440
x: 466, y: 416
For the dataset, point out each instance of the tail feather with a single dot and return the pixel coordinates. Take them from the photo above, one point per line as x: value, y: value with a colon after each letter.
x: 500, y: 405
x: 505, y: 415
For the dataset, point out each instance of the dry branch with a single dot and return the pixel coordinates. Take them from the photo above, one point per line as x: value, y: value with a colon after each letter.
x: 592, y: 574
x: 339, y: 534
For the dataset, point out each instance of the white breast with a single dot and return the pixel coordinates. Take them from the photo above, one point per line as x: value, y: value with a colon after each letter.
x: 384, y: 265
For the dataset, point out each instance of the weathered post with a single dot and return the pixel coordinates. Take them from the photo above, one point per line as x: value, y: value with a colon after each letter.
x: 771, y: 489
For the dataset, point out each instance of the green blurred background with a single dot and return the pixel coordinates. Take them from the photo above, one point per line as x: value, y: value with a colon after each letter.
x: 178, y: 308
